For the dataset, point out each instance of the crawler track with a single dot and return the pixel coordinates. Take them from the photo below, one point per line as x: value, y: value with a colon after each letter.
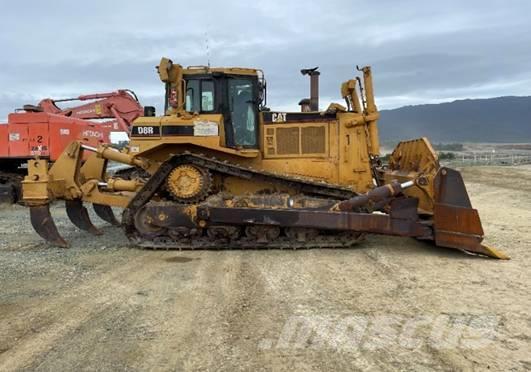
x: 201, y: 239
x: 204, y: 242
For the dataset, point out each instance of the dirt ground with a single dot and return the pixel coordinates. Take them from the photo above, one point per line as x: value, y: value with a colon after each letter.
x: 104, y: 306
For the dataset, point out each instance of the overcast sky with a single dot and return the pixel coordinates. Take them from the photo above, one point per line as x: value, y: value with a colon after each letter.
x: 421, y: 51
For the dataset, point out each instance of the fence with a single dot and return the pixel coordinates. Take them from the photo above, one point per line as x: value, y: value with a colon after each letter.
x: 490, y: 158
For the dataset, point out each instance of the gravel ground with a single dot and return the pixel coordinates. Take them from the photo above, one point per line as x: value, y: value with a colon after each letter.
x: 388, y: 304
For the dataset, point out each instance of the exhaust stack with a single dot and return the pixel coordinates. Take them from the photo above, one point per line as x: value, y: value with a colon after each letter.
x: 314, y: 87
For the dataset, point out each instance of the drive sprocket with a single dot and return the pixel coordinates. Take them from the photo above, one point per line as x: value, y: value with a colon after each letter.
x: 188, y: 183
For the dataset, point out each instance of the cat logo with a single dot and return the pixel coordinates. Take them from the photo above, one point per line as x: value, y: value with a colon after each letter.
x: 278, y: 117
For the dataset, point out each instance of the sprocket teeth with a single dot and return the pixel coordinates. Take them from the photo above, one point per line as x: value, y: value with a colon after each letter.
x: 188, y: 183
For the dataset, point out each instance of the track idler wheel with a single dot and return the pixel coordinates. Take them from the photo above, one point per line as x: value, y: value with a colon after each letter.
x: 226, y: 233
x: 42, y: 222
x: 262, y: 234
x: 181, y: 232
x: 144, y: 223
x: 79, y: 216
x: 301, y: 234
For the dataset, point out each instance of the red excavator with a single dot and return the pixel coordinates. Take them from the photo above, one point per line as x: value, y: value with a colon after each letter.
x: 46, y: 129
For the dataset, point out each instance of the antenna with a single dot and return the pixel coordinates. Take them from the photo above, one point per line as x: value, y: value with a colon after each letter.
x: 207, y: 47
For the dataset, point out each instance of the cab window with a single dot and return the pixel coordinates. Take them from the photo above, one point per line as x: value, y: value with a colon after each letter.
x: 199, y: 95
x: 243, y: 112
x: 207, y: 95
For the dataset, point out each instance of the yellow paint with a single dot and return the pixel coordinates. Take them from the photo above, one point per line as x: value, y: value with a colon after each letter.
x: 338, y: 149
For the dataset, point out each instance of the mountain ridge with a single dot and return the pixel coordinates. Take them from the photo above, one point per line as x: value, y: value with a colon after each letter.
x: 497, y: 119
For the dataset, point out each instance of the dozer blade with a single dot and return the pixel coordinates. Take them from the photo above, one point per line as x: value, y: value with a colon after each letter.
x: 105, y: 213
x: 78, y: 214
x: 42, y: 222
x: 456, y: 223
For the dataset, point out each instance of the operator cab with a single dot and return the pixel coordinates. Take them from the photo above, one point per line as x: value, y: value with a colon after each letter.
x: 235, y: 93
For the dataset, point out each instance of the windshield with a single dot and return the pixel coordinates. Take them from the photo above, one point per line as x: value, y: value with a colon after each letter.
x: 199, y: 95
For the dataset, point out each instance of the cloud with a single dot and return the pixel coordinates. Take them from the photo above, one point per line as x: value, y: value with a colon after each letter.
x: 420, y: 51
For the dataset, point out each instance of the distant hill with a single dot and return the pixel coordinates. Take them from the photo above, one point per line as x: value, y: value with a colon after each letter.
x: 501, y: 119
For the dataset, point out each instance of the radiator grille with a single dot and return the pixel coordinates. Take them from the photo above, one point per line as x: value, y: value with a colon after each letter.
x: 287, y: 141
x: 313, y: 140
x: 296, y: 140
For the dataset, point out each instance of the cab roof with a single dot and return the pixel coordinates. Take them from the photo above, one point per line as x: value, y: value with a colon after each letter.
x: 202, y: 70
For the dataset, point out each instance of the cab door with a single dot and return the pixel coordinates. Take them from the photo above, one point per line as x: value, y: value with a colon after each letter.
x: 242, y: 119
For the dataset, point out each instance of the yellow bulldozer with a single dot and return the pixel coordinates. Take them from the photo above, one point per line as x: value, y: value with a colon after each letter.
x: 221, y: 170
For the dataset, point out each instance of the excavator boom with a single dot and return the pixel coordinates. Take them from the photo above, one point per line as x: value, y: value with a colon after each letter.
x: 121, y: 105
x: 45, y: 129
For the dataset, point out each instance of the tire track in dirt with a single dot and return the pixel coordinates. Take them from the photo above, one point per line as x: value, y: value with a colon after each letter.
x: 193, y: 324
x: 343, y: 295
x: 74, y: 308
x: 294, y: 282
